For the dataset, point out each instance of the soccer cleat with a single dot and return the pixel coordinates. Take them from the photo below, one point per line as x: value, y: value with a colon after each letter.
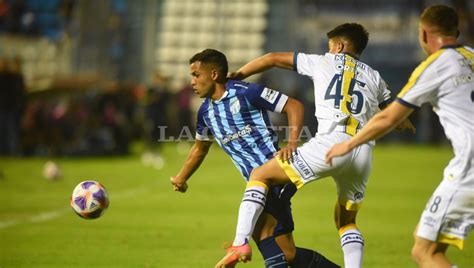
x: 235, y: 254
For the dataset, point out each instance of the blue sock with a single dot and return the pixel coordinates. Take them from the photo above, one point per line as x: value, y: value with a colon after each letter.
x: 306, y: 258
x: 272, y: 253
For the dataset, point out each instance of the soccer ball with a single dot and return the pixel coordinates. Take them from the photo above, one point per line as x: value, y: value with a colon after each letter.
x: 89, y: 200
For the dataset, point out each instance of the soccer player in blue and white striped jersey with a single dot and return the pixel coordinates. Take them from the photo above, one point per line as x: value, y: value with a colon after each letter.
x: 234, y: 114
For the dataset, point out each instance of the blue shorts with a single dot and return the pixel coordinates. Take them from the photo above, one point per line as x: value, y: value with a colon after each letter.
x: 279, y: 206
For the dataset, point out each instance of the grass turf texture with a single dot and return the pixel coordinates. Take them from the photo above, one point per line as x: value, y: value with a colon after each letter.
x: 149, y: 225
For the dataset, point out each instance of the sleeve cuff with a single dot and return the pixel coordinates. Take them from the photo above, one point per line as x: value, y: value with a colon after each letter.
x: 281, y: 103
x: 203, y: 137
x: 384, y: 103
x: 295, y: 61
x: 407, y: 104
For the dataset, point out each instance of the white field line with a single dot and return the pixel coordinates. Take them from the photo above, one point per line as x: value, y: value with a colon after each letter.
x: 46, y: 216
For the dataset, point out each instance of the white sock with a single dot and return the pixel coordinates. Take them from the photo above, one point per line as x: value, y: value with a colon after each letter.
x: 352, y: 243
x: 250, y: 209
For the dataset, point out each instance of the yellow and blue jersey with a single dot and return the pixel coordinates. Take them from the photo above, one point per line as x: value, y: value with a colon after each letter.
x: 239, y: 122
x: 347, y: 92
x: 446, y: 81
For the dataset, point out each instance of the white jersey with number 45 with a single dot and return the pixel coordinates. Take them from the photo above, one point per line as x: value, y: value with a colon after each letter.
x: 347, y: 92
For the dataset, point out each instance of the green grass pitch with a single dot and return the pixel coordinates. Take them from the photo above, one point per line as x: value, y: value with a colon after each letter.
x: 149, y: 225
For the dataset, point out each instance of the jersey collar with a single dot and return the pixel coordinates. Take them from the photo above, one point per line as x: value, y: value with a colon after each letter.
x: 351, y: 54
x: 226, y: 92
x: 452, y: 46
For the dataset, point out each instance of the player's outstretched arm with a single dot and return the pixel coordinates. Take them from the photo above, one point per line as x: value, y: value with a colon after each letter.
x: 378, y: 126
x: 406, y: 125
x: 282, y: 60
x: 196, y: 155
x: 294, y: 110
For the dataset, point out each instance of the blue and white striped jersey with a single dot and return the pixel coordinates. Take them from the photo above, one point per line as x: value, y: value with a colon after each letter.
x: 239, y: 123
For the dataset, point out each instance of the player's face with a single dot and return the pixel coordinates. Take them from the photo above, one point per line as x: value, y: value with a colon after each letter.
x: 202, y: 79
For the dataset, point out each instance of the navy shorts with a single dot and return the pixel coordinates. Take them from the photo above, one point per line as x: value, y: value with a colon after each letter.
x: 279, y: 206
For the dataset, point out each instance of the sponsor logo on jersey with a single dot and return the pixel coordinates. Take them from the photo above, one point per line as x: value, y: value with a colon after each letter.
x: 269, y: 95
x: 463, y: 79
x: 341, y: 67
x: 241, y: 133
x: 339, y: 57
x: 430, y: 221
x: 302, y: 167
x: 466, y: 62
x: 235, y: 107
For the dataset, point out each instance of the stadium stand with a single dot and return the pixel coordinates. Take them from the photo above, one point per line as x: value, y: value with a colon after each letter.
x: 237, y: 28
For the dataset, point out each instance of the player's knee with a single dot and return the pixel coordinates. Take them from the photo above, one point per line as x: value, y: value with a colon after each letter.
x: 257, y: 174
x: 264, y: 233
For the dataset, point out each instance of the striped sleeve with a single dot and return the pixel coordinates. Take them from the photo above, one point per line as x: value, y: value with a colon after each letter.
x: 423, y: 83
x: 203, y: 133
x: 266, y: 98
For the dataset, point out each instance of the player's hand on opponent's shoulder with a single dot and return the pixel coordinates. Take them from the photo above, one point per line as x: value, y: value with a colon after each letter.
x: 406, y: 124
x: 286, y: 153
x: 235, y: 75
x: 179, y: 184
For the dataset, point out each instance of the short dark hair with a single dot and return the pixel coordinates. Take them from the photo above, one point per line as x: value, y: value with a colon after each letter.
x: 355, y: 33
x: 443, y: 18
x: 214, y: 57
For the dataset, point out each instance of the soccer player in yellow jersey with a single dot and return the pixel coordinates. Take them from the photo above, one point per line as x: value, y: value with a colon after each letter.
x: 446, y: 81
x: 347, y: 94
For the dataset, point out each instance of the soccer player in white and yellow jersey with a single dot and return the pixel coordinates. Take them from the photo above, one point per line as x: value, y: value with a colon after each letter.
x: 347, y: 94
x: 446, y: 81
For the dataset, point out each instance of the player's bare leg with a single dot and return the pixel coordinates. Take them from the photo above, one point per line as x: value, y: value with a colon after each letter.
x: 260, y: 180
x: 264, y: 227
x: 342, y: 216
x: 352, y: 241
x: 271, y: 173
x: 287, y: 244
x: 252, y: 206
x: 253, y: 203
x: 430, y: 254
x: 264, y: 230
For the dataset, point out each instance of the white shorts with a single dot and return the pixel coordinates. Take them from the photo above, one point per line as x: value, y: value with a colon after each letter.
x: 448, y: 217
x: 350, y: 172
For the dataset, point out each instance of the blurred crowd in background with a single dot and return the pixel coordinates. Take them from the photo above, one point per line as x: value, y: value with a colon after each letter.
x: 92, y: 121
x: 90, y: 77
